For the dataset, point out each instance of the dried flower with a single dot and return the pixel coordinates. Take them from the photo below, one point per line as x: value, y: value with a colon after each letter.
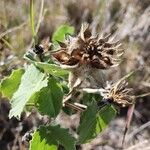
x: 85, y: 55
x: 118, y: 93
x: 90, y: 51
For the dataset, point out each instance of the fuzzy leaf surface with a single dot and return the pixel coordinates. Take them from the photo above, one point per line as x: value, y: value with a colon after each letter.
x: 32, y: 81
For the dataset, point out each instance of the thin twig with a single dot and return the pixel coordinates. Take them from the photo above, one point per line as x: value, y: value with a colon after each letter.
x: 73, y: 90
x: 12, y: 29
x: 142, y: 95
x: 81, y: 105
x: 128, y: 121
x: 40, y: 18
x: 127, y: 76
x: 95, y: 91
x: 136, y: 131
x: 140, y: 145
x: 147, y: 84
x: 8, y: 44
x: 32, y: 19
x: 73, y: 106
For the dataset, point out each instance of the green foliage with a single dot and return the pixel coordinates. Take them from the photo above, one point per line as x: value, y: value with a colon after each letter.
x: 40, y: 143
x: 104, y: 116
x: 87, y: 123
x: 52, y: 136
x: 31, y: 82
x: 49, y: 99
x: 52, y: 69
x: 29, y: 57
x: 93, y: 121
x: 59, y: 34
x: 9, y: 85
x: 43, y: 84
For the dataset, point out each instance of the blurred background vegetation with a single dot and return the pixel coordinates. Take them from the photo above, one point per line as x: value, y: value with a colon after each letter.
x: 127, y: 20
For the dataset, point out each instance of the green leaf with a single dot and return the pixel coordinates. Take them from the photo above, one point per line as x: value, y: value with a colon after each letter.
x: 93, y: 122
x: 54, y: 135
x: 87, y: 123
x: 39, y: 143
x: 31, y: 82
x: 59, y: 34
x: 52, y: 69
x: 104, y: 116
x: 9, y: 85
x: 30, y: 57
x: 49, y: 100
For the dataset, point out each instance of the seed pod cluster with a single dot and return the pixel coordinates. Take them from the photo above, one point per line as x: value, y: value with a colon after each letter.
x: 88, y: 50
x: 119, y: 94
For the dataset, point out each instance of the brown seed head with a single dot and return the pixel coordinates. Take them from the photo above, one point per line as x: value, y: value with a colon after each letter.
x: 88, y: 50
x: 119, y: 94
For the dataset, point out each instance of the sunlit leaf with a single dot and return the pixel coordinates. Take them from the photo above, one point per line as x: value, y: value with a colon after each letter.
x: 53, y: 135
x: 59, y: 34
x: 32, y: 81
x: 93, y: 121
x: 104, y: 116
x: 39, y: 143
x: 9, y: 85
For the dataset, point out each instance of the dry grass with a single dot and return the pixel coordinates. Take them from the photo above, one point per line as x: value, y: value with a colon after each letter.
x: 126, y: 20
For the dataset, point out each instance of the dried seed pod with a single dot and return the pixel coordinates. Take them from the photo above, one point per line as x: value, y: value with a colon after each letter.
x: 119, y: 94
x: 87, y: 50
x: 85, y: 55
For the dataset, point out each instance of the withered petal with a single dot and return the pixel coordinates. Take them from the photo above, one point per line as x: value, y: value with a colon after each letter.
x: 72, y: 61
x: 85, y: 31
x: 109, y: 51
x: 77, y: 53
x: 106, y: 38
x: 107, y: 60
x: 112, y: 45
x: 99, y: 64
x: 61, y: 56
x: 103, y: 40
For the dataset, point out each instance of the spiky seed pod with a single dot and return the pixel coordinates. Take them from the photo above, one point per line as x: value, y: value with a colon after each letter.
x: 119, y: 94
x: 85, y: 55
x: 87, y: 50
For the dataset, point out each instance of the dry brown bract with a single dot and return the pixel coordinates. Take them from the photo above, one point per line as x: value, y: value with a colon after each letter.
x: 119, y: 94
x: 88, y: 50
